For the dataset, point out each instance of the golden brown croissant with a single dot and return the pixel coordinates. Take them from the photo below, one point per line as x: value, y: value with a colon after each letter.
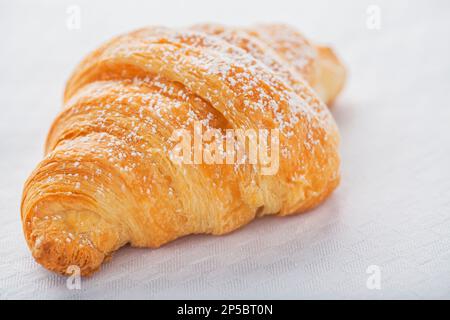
x: 109, y: 178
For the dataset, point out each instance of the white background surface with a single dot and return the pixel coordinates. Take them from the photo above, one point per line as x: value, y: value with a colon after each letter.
x: 391, y: 210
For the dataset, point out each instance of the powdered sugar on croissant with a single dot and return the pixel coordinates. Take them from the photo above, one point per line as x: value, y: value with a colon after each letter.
x: 108, y: 178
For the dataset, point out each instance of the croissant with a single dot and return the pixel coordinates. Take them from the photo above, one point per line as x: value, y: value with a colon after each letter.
x: 109, y: 177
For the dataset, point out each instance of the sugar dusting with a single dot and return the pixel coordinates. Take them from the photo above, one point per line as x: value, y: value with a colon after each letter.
x: 134, y: 116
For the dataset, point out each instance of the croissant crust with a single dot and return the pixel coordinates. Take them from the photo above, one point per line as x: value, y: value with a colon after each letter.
x: 108, y: 179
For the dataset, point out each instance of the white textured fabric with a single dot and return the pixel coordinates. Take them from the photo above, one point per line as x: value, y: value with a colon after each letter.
x: 392, y: 209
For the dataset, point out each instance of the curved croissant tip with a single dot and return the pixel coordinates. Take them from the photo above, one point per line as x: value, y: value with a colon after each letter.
x: 66, y: 256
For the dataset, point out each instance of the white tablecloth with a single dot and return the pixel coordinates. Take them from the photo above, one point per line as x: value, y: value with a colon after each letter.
x: 391, y: 211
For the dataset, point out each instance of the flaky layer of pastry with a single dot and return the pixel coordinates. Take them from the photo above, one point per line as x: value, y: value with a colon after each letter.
x: 107, y: 178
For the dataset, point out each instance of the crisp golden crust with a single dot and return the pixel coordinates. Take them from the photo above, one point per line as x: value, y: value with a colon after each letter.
x: 289, y: 54
x: 107, y: 178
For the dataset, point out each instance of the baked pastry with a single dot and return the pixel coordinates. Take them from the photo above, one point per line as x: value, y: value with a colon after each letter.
x: 286, y: 51
x: 109, y: 177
